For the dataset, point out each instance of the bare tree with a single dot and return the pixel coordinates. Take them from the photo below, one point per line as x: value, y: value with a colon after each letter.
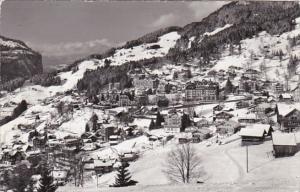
x: 183, y: 164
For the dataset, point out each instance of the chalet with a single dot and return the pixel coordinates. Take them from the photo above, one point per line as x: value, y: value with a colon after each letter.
x: 103, y: 166
x: 184, y: 137
x: 142, y: 123
x: 228, y: 127
x: 267, y: 127
x: 252, y: 135
x: 59, y: 177
x: 114, y: 139
x: 223, y: 116
x: 200, y: 135
x: 107, y: 130
x: 251, y: 73
x: 71, y: 142
x: 263, y: 108
x: 89, y: 166
x: 233, y: 68
x: 247, y: 118
x: 284, y: 144
x: 201, y: 122
x: 288, y: 116
x: 285, y: 97
x: 129, y: 156
x: 54, y: 144
x: 296, y: 93
x: 183, y: 140
x: 291, y: 120
x: 260, y: 99
x: 242, y: 104
x: 172, y: 122
x: 278, y: 88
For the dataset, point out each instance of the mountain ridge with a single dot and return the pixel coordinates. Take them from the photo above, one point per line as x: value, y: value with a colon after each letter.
x: 18, y: 60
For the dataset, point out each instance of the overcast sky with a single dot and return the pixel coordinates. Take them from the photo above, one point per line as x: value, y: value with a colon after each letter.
x: 61, y: 27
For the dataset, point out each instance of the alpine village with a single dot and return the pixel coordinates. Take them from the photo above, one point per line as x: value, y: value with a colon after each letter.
x: 211, y: 106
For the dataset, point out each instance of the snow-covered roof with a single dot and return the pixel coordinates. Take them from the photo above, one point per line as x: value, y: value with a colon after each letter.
x: 59, y: 174
x: 114, y: 136
x: 284, y: 139
x: 265, y: 127
x: 247, y: 116
x: 118, y: 110
x: 252, y: 132
x: 284, y: 108
x: 142, y: 123
x: 286, y: 96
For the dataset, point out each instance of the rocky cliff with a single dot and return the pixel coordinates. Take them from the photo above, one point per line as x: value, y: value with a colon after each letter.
x: 18, y: 60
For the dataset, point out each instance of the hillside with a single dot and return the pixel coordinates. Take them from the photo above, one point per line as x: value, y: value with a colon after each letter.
x: 18, y: 60
x: 256, y: 42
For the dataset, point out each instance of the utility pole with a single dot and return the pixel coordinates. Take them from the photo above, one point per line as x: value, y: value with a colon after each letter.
x: 247, y: 161
x: 97, y: 178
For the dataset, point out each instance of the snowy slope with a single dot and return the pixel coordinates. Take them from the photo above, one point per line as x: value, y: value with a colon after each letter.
x: 223, y: 170
x: 35, y: 93
x: 261, y: 48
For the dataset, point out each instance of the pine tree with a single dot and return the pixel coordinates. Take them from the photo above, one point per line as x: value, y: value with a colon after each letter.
x: 20, y: 109
x: 159, y: 119
x: 195, y: 114
x: 94, y: 120
x: 228, y: 87
x: 102, y: 97
x: 185, y: 122
x: 46, y: 182
x: 152, y: 125
x: 123, y: 178
x: 188, y: 74
x: 87, y: 128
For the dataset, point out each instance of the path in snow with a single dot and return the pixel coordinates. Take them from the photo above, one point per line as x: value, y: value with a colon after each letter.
x: 239, y: 167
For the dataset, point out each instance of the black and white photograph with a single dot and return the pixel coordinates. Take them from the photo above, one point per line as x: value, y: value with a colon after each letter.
x: 149, y: 96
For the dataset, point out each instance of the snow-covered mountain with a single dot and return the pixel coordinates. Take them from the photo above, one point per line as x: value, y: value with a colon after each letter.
x: 18, y: 60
